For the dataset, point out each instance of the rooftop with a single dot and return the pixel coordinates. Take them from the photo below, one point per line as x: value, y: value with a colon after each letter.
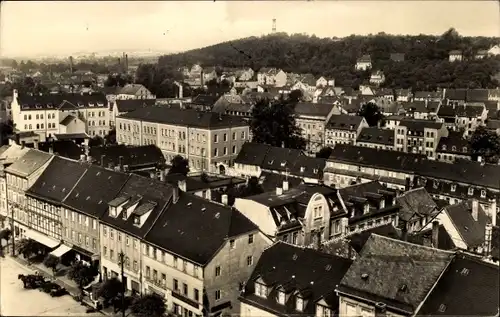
x: 376, y: 135
x: 30, y: 162
x: 344, y: 122
x: 393, y: 272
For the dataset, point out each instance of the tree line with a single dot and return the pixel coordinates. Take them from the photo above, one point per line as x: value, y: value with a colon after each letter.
x: 426, y: 64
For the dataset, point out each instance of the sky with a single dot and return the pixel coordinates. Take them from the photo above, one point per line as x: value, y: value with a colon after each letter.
x: 30, y: 28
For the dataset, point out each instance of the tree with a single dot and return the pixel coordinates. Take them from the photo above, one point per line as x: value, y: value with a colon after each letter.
x: 179, y: 165
x: 110, y: 138
x: 150, y: 305
x: 96, y: 141
x: 486, y: 144
x: 6, y: 130
x: 324, y: 152
x: 251, y: 188
x: 81, y: 274
x: 296, y: 95
x: 204, y: 177
x: 27, y: 248
x: 371, y: 112
x: 273, y: 123
x: 110, y: 289
x: 51, y: 261
x: 5, y: 233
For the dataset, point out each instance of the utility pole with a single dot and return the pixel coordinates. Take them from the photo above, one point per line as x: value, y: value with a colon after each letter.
x: 121, y: 258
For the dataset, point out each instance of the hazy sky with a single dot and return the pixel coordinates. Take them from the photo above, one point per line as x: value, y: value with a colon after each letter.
x: 57, y: 27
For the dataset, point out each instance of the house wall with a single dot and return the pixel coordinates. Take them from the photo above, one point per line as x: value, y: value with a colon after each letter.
x: 116, y: 241
x: 313, y: 131
x: 172, y: 270
x: 363, y: 65
x: 247, y: 310
x: 44, y: 217
x: 280, y: 79
x: 317, y: 220
x: 236, y: 268
x: 351, y: 307
x: 76, y: 225
x: 246, y: 170
x: 258, y: 214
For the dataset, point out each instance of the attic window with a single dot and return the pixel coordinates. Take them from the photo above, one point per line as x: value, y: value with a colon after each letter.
x: 302, y: 169
x: 436, y: 184
x: 464, y: 149
x: 442, y: 308
x: 283, y: 164
x: 444, y: 147
x: 271, y: 162
x: 124, y: 216
x: 299, y: 304
x: 453, y: 187
x: 453, y: 148
x: 483, y: 193
x: 315, y: 171
x: 464, y: 271
x: 295, y: 257
x: 471, y: 191
x: 281, y: 298
x: 137, y: 221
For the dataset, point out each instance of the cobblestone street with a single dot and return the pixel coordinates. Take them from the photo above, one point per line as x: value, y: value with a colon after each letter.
x: 17, y: 301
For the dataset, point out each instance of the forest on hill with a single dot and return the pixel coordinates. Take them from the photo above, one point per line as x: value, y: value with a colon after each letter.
x: 425, y: 67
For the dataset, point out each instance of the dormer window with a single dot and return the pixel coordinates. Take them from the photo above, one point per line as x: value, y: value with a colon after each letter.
x: 315, y: 171
x: 302, y: 169
x: 464, y: 149
x: 124, y: 215
x: 299, y: 304
x: 281, y: 298
x: 137, y: 220
x: 322, y: 311
x: 436, y: 184
x: 453, y: 148
x: 453, y: 187
x: 483, y: 193
x: 283, y: 164
x: 471, y: 191
x: 366, y: 208
x: 260, y: 290
x: 444, y: 147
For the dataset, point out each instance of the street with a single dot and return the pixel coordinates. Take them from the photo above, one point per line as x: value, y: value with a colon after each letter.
x: 17, y: 301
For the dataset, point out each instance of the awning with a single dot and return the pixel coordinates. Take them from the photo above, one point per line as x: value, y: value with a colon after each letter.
x: 61, y: 250
x: 41, y: 238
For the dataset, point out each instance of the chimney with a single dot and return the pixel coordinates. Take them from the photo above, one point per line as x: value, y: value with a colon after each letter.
x: 162, y: 175
x: 110, y: 165
x: 475, y: 208
x: 224, y: 199
x: 89, y: 159
x: 285, y: 185
x: 487, y: 239
x: 435, y: 234
x: 152, y: 175
x: 71, y: 64
x: 279, y: 191
x: 120, y: 162
x: 407, y: 184
x: 102, y: 160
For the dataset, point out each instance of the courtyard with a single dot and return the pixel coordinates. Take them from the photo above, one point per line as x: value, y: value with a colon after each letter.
x: 17, y: 301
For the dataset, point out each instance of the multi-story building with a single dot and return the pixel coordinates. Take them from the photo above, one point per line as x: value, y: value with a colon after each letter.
x: 210, y: 141
x: 467, y: 116
x: 271, y: 76
x: 343, y: 129
x: 20, y: 176
x: 453, y: 147
x: 123, y: 106
x: 8, y: 155
x: 82, y: 208
x: 134, y: 91
x: 130, y: 216
x: 44, y: 197
x: 312, y: 119
x: 57, y: 115
x: 306, y: 289
x: 377, y: 78
x: 363, y: 63
x: 419, y: 136
x: 455, y: 55
x: 199, y: 260
x: 377, y: 138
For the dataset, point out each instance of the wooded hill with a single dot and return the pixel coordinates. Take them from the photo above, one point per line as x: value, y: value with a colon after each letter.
x: 426, y: 64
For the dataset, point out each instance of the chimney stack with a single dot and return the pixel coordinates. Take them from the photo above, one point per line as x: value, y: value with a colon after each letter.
x: 224, y: 199
x: 475, y: 209
x: 175, y: 194
x: 279, y: 191
x: 152, y: 175
x: 435, y: 234
x: 71, y: 64
x: 285, y: 185
x: 102, y: 160
x: 120, y: 162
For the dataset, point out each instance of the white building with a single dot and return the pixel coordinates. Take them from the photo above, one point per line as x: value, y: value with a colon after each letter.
x: 51, y: 115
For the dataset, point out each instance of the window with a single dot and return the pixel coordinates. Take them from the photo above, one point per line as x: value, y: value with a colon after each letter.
x: 234, y: 135
x: 184, y: 289
x: 73, y: 216
x: 231, y: 244
x: 111, y: 256
x: 119, y: 236
x: 471, y: 191
x: 225, y: 137
x: 104, y: 231
x: 234, y: 149
x: 66, y: 213
x: 216, y: 152
x: 127, y: 240
x: 94, y: 224
x: 175, y: 261
x: 111, y: 233
x: 217, y: 271
x: 105, y: 251
x: 281, y: 298
x: 243, y: 135
x: 249, y: 260
x: 176, y: 284
x: 299, y: 304
x: 453, y: 187
x: 250, y: 238
x: 217, y: 294
x: 483, y: 193
x: 148, y: 271
x: 216, y: 138
x: 260, y: 290
x: 196, y: 294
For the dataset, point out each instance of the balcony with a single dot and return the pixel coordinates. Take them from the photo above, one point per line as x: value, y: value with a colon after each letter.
x: 177, y: 294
